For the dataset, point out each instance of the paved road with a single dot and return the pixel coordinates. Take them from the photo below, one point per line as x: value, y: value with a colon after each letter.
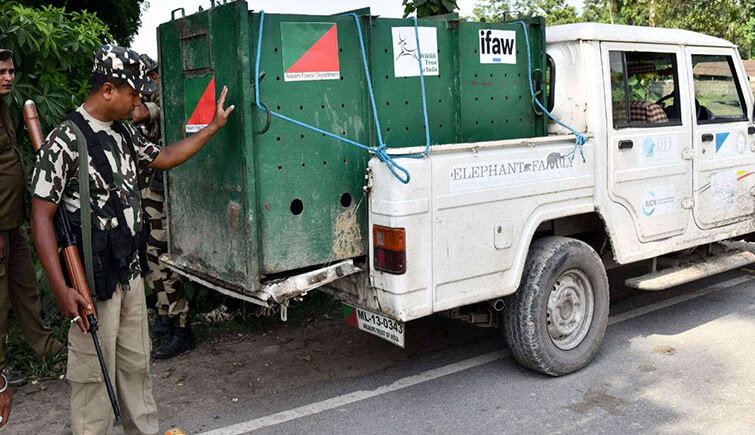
x: 675, y: 362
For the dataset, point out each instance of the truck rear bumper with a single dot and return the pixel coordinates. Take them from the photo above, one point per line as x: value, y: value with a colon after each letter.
x: 277, y: 291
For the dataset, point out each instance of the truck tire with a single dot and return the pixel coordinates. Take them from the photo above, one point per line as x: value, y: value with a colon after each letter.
x: 556, y: 320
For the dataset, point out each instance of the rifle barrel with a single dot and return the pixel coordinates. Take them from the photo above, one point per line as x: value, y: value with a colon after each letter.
x: 33, y: 125
x: 105, y: 376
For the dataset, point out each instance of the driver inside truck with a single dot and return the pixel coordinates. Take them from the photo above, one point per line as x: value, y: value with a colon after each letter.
x: 644, y: 89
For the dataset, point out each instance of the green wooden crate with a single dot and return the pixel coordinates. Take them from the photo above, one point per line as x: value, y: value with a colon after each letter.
x: 267, y: 196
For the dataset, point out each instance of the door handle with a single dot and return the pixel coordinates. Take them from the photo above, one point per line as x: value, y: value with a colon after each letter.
x: 750, y: 130
x: 707, y: 137
x: 625, y: 144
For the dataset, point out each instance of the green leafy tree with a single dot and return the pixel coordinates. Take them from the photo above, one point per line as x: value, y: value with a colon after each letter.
x: 749, y: 26
x: 733, y: 20
x: 493, y: 10
x: 53, y: 55
x: 554, y: 11
x: 428, y: 8
x: 123, y: 17
x: 597, y: 11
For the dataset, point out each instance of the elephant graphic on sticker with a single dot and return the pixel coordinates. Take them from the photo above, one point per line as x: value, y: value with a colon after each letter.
x: 648, y: 148
x: 553, y: 161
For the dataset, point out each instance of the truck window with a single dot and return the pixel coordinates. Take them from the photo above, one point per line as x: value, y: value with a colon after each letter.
x: 718, y: 97
x: 644, y: 89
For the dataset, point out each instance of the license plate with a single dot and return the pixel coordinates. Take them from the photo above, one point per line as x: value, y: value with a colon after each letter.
x: 374, y: 323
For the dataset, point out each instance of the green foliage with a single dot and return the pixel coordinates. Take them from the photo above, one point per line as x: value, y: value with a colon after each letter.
x: 596, y: 11
x: 123, y: 17
x: 733, y: 20
x: 53, y: 54
x: 554, y: 11
x: 493, y: 11
x: 428, y: 8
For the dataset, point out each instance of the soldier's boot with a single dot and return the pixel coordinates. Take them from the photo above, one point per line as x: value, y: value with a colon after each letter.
x: 16, y: 378
x: 163, y: 326
x: 180, y: 341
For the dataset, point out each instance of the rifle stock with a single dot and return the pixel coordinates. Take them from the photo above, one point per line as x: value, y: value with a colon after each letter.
x: 67, y: 243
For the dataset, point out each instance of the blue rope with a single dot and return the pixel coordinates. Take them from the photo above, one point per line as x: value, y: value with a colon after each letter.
x: 422, y: 86
x: 380, y: 150
x: 580, y: 138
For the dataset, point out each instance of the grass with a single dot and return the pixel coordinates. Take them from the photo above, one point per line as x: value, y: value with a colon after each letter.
x: 299, y: 313
x: 20, y: 355
x: 201, y: 300
x: 24, y: 359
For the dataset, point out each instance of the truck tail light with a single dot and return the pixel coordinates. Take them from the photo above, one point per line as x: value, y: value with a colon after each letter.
x: 389, y: 249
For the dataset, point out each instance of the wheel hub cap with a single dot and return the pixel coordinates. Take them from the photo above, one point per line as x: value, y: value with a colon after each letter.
x: 570, y: 309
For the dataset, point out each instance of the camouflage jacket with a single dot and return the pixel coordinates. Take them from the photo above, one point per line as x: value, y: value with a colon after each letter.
x: 56, y: 172
x: 151, y: 129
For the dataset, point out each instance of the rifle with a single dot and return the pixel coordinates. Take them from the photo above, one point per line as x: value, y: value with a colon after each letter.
x: 67, y: 243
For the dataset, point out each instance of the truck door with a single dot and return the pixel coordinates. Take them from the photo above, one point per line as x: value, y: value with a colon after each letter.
x: 724, y: 158
x: 648, y: 129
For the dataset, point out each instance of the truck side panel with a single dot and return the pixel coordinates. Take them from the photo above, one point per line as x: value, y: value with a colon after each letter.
x: 469, y: 224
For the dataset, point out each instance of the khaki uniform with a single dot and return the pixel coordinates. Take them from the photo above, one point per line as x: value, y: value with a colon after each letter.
x: 164, y: 282
x: 123, y: 318
x: 124, y: 338
x: 18, y: 280
x: 161, y: 280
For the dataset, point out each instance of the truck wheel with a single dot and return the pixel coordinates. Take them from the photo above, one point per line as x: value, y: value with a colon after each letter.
x: 556, y: 320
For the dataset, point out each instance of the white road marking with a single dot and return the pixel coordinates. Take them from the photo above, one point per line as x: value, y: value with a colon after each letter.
x: 358, y: 396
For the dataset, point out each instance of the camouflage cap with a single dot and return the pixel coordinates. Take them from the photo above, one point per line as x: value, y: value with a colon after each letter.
x: 149, y: 63
x: 123, y: 63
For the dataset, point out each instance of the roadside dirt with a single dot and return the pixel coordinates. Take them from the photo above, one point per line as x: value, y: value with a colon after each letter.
x: 238, y: 368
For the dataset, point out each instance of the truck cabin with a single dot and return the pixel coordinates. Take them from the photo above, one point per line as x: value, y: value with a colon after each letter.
x: 647, y: 68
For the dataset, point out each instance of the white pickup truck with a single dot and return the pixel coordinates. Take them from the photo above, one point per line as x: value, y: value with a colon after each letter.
x: 531, y: 227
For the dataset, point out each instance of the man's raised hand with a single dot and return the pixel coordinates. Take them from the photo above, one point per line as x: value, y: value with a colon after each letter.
x: 221, y: 115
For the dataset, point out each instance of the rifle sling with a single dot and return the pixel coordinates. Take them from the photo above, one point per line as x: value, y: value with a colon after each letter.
x: 85, y: 208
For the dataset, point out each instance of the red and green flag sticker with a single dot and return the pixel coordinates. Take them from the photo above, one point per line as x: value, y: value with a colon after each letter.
x: 350, y: 315
x: 200, y: 95
x: 310, y: 51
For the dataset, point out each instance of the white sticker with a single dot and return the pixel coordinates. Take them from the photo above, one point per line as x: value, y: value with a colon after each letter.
x: 193, y: 128
x: 659, y: 201
x: 405, y: 60
x: 741, y: 143
x: 722, y: 149
x: 658, y: 150
x: 497, y: 46
x: 479, y: 175
x: 723, y: 191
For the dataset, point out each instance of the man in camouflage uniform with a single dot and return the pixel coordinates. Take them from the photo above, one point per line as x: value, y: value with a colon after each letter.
x: 172, y: 307
x: 18, y: 282
x: 118, y: 78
